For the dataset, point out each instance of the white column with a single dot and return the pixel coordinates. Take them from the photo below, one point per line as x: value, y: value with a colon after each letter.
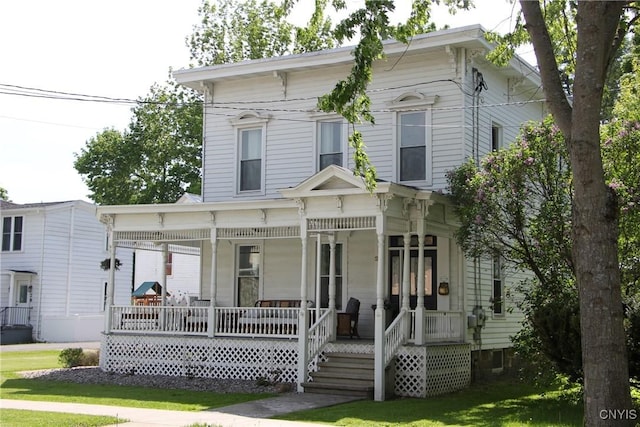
x: 111, y: 282
x: 303, y: 327
x: 318, y: 275
x: 419, y: 332
x: 379, y: 340
x: 332, y: 282
x: 406, y: 271
x: 163, y: 283
x: 213, y: 284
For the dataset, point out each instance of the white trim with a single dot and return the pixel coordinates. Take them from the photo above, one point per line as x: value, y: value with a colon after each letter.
x: 240, y: 127
x: 236, y: 267
x: 329, y: 118
x: 428, y: 171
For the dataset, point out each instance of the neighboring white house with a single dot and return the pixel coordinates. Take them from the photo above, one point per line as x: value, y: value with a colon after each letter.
x: 283, y: 218
x: 50, y: 269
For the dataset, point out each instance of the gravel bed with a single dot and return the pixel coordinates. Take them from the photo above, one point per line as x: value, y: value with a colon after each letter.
x: 95, y: 375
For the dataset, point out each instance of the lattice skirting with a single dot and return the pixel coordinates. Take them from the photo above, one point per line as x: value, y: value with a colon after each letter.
x: 200, y: 357
x: 432, y: 370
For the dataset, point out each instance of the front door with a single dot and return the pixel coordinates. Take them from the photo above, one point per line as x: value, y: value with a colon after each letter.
x: 23, y: 293
x: 396, y: 263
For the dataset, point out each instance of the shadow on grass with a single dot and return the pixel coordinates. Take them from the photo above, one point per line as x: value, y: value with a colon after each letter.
x: 121, y: 395
x: 499, y: 404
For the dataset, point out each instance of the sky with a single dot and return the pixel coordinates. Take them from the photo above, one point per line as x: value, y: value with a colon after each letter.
x: 115, y: 49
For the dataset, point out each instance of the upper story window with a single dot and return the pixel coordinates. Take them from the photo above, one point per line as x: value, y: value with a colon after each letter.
x: 12, y: 233
x: 413, y: 146
x: 497, y: 298
x: 251, y: 131
x: 413, y: 137
x: 330, y: 143
x: 250, y: 159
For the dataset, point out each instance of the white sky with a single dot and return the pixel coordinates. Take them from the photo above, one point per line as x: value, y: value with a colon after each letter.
x: 115, y: 48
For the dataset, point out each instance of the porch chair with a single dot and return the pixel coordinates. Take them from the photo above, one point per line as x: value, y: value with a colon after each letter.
x: 348, y: 320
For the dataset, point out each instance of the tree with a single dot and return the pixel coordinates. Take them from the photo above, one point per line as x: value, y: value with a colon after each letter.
x: 4, y: 195
x: 600, y: 28
x: 156, y: 160
x: 233, y: 30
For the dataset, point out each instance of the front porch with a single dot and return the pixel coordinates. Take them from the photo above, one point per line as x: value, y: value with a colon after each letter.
x: 167, y: 340
x: 326, y: 241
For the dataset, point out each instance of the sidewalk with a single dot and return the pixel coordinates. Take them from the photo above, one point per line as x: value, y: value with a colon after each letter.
x: 240, y: 415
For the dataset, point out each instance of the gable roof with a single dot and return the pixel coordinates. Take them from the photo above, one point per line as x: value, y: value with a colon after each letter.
x: 147, y: 286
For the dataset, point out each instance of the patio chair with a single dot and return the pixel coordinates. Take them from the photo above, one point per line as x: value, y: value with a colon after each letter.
x: 348, y: 320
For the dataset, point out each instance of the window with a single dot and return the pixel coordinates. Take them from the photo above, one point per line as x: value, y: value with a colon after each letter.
x: 497, y: 299
x: 330, y: 144
x: 496, y: 137
x: 250, y: 159
x: 497, y: 361
x: 23, y: 294
x: 12, y: 233
x: 412, y: 136
x: 248, y: 274
x: 325, y: 258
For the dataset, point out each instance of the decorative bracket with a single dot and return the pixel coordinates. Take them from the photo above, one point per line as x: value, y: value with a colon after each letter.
x: 301, y: 206
x: 212, y: 214
x: 161, y: 219
x: 406, y: 202
x: 283, y: 81
x: 453, y: 58
x: 263, y: 216
x: 383, y: 201
x: 207, y: 90
x: 339, y: 203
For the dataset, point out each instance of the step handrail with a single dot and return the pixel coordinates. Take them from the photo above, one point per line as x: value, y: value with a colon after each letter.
x: 395, y: 336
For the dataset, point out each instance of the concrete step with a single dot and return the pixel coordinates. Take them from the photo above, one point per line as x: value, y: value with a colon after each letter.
x: 348, y: 375
x: 339, y: 389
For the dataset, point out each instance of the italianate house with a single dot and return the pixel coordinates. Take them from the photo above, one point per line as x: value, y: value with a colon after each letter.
x: 306, y: 276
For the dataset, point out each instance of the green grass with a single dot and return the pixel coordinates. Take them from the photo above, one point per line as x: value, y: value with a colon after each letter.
x: 504, y: 404
x: 15, y: 387
x: 22, y: 418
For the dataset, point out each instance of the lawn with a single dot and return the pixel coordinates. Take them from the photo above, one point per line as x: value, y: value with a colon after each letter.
x: 21, y: 418
x: 15, y: 387
x: 504, y: 404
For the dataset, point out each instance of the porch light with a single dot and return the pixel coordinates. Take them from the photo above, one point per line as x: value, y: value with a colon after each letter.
x: 443, y: 288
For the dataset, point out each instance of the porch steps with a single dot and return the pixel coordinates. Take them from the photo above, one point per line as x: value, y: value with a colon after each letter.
x: 343, y: 374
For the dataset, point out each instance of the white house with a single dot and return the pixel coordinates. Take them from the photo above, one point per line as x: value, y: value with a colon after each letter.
x: 51, y: 280
x: 288, y: 235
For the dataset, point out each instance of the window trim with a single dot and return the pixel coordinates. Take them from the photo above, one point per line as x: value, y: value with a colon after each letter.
x: 497, y: 143
x: 414, y: 102
x: 12, y: 234
x: 316, y: 138
x: 245, y: 121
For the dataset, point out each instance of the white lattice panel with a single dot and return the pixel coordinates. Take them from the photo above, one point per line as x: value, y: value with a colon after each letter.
x: 432, y: 370
x: 200, y: 357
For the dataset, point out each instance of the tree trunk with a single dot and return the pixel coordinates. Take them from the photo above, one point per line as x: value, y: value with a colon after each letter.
x: 595, y: 212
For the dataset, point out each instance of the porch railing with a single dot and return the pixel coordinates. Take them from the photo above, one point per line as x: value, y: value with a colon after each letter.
x: 10, y: 316
x: 443, y: 326
x: 395, y: 335
x: 320, y: 333
x: 194, y: 320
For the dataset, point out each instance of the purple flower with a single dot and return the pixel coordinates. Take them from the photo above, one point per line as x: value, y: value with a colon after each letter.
x: 479, y: 220
x: 529, y: 161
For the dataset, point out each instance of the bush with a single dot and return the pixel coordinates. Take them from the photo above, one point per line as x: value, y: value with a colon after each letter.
x: 72, y: 357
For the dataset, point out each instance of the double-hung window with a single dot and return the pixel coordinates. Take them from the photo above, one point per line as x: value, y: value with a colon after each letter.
x: 325, y: 274
x: 248, y: 274
x: 413, y: 146
x: 250, y: 159
x: 12, y: 233
x: 412, y: 119
x: 251, y: 128
x: 330, y: 143
x: 498, y: 288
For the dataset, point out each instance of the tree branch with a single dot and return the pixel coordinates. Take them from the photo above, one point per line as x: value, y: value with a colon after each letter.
x: 547, y: 64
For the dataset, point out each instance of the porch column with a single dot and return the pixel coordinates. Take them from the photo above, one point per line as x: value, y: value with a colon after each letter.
x: 332, y: 281
x: 406, y: 284
x: 163, y: 279
x: 419, y: 321
x: 213, y: 285
x: 303, y: 328
x: 318, y: 275
x: 379, y: 339
x: 110, y: 282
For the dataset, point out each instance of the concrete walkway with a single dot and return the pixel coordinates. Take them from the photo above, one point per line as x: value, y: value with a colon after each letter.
x: 254, y: 413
